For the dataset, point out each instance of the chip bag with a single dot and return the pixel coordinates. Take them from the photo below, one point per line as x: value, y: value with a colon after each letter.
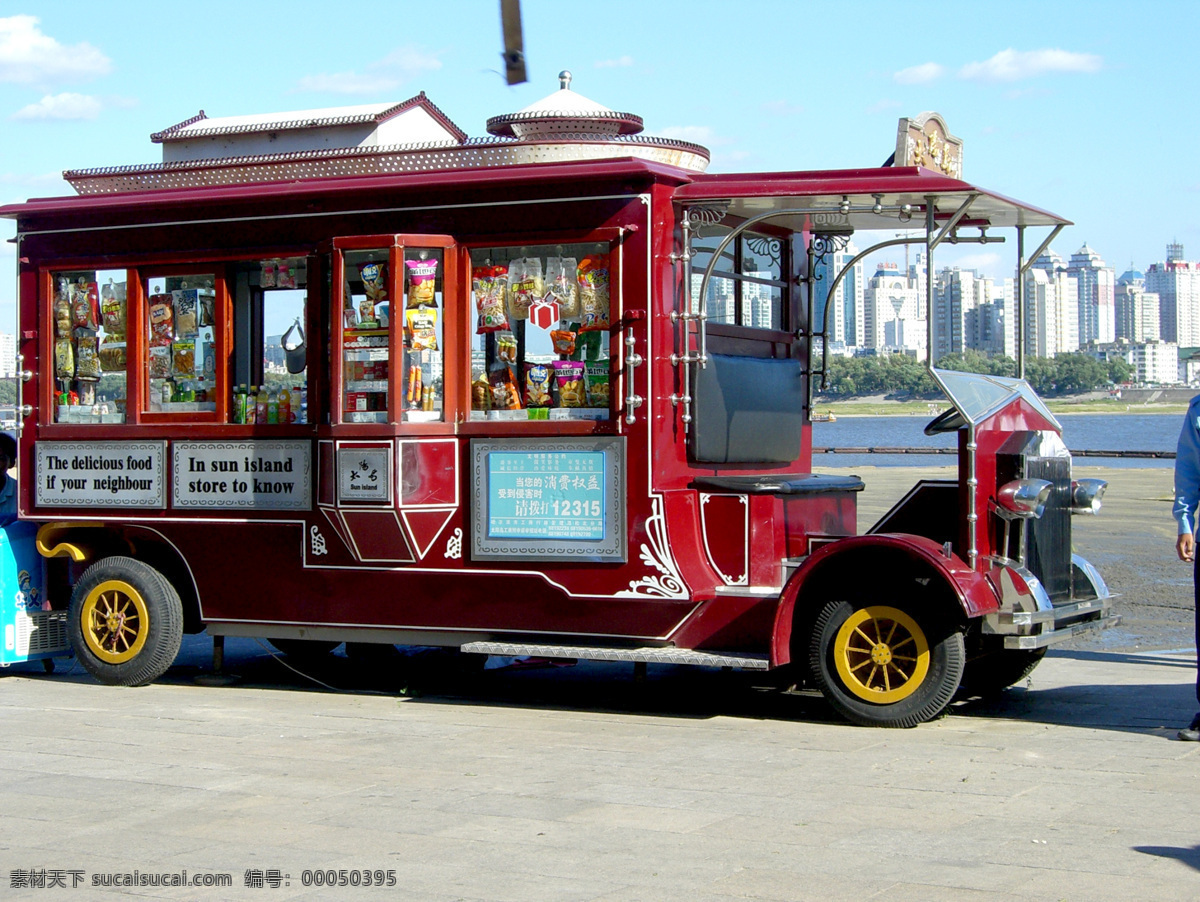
x: 489, y: 284
x: 562, y: 285
x: 421, y: 325
x: 64, y: 358
x: 572, y: 391
x: 563, y: 341
x: 422, y: 283
x: 87, y: 361
x: 113, y: 309
x: 539, y: 381
x: 593, y: 293
x: 597, y: 375
x: 524, y: 286
x: 505, y: 395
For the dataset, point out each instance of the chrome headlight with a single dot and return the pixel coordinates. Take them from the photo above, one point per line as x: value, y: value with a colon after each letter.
x: 1086, y: 495
x: 1023, y: 498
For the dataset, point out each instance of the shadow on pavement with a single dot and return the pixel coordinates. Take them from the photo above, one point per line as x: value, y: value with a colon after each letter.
x: 1190, y: 857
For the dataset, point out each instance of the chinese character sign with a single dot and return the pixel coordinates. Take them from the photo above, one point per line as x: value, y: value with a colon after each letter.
x: 546, y: 495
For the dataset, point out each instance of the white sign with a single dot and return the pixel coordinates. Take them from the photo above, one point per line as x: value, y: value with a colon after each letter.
x: 257, y: 475
x: 100, y: 474
x: 364, y: 474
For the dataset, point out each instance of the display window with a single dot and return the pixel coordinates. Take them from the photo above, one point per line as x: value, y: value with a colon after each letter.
x: 749, y: 283
x: 392, y: 320
x: 540, y: 343
x: 89, y: 311
x: 182, y: 345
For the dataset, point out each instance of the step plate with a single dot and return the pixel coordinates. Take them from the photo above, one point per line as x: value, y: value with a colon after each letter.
x: 634, y: 655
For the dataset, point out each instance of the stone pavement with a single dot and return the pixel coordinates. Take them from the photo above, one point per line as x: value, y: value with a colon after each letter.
x: 581, y: 784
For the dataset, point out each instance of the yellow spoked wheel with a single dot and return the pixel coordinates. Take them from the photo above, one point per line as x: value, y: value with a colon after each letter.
x: 126, y: 621
x: 881, y: 654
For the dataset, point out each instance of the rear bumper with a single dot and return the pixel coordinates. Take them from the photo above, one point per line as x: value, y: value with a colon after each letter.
x: 1027, y: 619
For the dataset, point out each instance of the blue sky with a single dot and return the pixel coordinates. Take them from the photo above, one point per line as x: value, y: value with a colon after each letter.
x: 1084, y: 109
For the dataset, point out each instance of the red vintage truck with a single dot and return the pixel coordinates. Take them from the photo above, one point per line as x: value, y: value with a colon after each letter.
x: 554, y: 398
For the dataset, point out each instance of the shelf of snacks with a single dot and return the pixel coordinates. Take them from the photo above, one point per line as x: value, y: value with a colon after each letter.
x: 181, y: 359
x: 422, y: 401
x: 89, y: 310
x: 540, y: 350
x: 366, y: 350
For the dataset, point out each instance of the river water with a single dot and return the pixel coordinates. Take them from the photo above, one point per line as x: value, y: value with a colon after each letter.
x: 1081, y: 431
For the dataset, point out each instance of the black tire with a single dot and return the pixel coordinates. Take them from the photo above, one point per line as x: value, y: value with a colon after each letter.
x: 305, y: 649
x: 856, y: 651
x: 125, y: 622
x: 994, y: 671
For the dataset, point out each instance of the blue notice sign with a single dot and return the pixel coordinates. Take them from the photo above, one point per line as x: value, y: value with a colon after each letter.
x: 546, y: 495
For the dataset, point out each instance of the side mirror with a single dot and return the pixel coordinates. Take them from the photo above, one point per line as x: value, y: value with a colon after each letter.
x: 1023, y: 498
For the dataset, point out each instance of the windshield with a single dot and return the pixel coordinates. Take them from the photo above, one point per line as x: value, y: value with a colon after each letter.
x: 976, y: 397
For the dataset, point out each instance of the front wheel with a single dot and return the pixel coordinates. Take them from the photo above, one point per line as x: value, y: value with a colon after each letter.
x: 126, y: 622
x: 885, y: 667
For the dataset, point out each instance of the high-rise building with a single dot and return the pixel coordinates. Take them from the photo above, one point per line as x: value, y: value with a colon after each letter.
x: 8, y: 354
x: 1052, y: 311
x: 1177, y: 284
x: 846, y: 314
x: 888, y: 297
x: 1095, y: 285
x: 1137, y: 310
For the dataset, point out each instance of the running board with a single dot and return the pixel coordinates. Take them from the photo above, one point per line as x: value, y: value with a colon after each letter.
x: 668, y: 655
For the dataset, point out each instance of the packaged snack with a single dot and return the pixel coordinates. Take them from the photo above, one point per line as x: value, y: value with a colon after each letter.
x: 374, y: 279
x: 208, y: 301
x: 112, y: 309
x: 87, y: 362
x: 481, y: 394
x: 64, y: 358
x: 524, y: 286
x: 539, y: 380
x: 267, y: 277
x: 422, y: 283
x: 505, y: 395
x: 593, y: 293
x: 112, y: 356
x: 421, y: 325
x: 506, y: 348
x: 185, y: 302
x: 416, y: 386
x: 160, y: 362
x: 563, y: 341
x: 597, y: 375
x: 162, y: 320
x: 85, y: 305
x: 183, y: 359
x: 62, y: 310
x: 562, y: 285
x: 569, y: 374
x: 210, y: 360
x: 87, y: 392
x: 489, y: 284
x: 285, y: 275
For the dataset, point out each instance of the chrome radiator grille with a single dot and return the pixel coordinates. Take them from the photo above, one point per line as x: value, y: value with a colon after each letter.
x: 1048, y: 538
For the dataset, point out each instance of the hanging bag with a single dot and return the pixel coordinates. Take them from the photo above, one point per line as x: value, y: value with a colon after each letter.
x: 297, y: 357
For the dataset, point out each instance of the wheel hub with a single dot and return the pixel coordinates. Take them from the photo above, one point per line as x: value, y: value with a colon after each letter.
x: 881, y: 654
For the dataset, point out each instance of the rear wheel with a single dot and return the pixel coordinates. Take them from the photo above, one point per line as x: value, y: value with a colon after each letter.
x: 126, y: 622
x: 884, y: 666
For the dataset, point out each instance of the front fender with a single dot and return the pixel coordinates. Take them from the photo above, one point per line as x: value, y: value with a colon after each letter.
x: 859, y: 560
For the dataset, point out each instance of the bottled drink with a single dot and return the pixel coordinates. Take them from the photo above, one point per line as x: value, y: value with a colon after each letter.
x: 252, y: 405
x: 272, y: 406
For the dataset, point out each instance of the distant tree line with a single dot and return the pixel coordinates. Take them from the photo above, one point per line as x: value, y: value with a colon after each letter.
x: 902, y: 376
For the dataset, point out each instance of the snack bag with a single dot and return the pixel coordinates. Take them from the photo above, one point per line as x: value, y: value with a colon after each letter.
x: 422, y: 283
x: 489, y: 284
x: 597, y: 384
x: 562, y: 285
x: 524, y: 286
x: 481, y: 394
x: 85, y: 305
x: 162, y: 320
x: 208, y: 301
x: 64, y: 358
x: 112, y: 356
x: 62, y: 310
x: 160, y: 362
x: 506, y: 348
x: 112, y: 309
x: 593, y: 293
x: 266, y: 278
x: 186, y: 301
x: 539, y: 379
x: 87, y: 362
x: 505, y: 395
x: 374, y: 279
x: 183, y: 359
x: 421, y: 325
x: 563, y: 341
x: 569, y: 374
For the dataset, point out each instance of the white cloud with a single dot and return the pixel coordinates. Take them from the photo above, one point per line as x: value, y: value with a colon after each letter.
x: 919, y: 75
x: 620, y: 62
x: 1014, y: 65
x: 27, y: 56
x: 63, y: 107
x: 382, y: 75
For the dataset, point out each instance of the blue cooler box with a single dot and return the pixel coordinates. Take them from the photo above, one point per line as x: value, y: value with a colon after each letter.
x: 31, y: 631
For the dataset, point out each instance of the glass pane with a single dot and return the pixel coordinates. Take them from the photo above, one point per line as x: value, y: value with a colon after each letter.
x: 89, y: 346
x: 366, y: 314
x: 423, y: 338
x: 181, y: 351
x: 762, y: 306
x: 720, y: 301
x: 541, y: 344
x: 762, y: 256
x: 285, y: 352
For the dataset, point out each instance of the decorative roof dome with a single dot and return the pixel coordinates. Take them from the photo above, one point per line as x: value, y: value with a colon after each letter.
x: 564, y: 113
